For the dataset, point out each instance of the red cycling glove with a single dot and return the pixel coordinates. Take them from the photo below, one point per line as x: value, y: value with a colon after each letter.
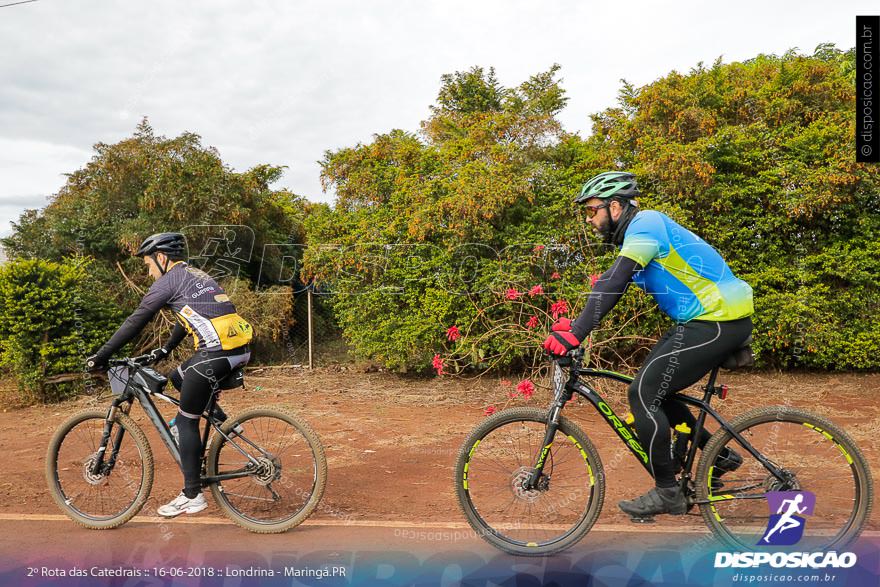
x: 561, y: 339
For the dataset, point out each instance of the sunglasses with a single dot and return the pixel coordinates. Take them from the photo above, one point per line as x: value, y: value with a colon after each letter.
x: 593, y: 210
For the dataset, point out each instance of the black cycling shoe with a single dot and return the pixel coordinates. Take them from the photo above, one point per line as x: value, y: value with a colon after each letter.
x: 729, y: 460
x: 659, y: 500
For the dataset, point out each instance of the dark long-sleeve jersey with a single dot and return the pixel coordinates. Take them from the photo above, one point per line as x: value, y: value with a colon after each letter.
x: 606, y: 292
x: 202, y: 309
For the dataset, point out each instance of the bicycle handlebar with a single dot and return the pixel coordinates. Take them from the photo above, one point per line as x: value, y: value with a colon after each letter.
x: 576, y: 354
x: 132, y: 361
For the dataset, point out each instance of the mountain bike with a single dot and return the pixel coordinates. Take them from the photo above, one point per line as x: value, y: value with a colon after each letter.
x: 266, y: 468
x: 530, y: 481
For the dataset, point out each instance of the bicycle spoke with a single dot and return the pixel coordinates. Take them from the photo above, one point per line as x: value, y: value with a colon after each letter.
x: 497, y: 469
x: 108, y: 494
x: 812, y: 461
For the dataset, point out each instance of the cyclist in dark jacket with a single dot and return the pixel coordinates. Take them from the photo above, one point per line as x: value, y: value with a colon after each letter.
x: 693, y: 285
x: 221, y: 339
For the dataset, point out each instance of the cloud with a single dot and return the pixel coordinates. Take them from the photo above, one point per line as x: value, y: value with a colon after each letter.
x: 280, y: 82
x: 23, y: 201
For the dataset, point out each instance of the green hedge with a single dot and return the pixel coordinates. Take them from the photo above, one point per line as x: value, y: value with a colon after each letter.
x: 756, y: 157
x: 51, y: 317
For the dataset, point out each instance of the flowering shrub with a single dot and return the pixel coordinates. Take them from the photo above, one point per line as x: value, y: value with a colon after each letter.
x: 754, y: 157
x: 524, y: 389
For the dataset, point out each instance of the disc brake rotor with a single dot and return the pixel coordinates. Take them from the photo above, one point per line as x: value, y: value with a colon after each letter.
x: 91, y: 478
x: 518, y: 481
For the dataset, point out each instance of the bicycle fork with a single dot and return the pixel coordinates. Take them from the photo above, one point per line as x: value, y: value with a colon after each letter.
x: 550, y: 432
x: 99, y: 467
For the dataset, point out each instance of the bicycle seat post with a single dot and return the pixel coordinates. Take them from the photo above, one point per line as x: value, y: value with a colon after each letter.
x: 710, y: 385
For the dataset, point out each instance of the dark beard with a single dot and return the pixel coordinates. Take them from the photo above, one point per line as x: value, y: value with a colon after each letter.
x: 619, y: 229
x: 606, y: 231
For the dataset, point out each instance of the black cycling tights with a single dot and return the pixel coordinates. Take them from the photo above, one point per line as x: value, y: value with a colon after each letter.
x: 682, y: 356
x: 196, y: 379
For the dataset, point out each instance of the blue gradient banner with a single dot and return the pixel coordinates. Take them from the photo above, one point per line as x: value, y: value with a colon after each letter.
x: 621, y: 562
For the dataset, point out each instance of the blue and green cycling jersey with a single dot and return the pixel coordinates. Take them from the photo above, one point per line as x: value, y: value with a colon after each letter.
x: 685, y: 275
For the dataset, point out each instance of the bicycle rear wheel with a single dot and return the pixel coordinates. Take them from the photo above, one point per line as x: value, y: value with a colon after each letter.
x: 816, y: 456
x: 495, y: 460
x: 112, y: 496
x: 288, y: 480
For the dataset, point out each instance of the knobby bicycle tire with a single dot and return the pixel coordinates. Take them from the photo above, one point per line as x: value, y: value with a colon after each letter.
x: 826, y: 431
x: 320, y: 471
x: 494, y: 537
x: 133, y: 434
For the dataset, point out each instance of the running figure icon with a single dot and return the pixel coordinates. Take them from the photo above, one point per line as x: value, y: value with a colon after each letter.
x: 788, y: 505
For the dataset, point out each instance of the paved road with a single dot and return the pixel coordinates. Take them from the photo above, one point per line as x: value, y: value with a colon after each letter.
x: 212, y: 551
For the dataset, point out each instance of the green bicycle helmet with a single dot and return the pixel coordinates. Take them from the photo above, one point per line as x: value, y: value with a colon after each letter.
x: 610, y: 184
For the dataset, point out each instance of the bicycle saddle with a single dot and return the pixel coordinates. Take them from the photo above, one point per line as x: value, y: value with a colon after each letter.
x: 741, y: 357
x: 233, y: 380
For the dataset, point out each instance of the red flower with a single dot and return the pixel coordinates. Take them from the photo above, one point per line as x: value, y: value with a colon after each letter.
x: 555, y: 275
x: 526, y: 388
x: 512, y: 293
x: 438, y: 364
x: 452, y: 333
x: 559, y: 308
x: 538, y: 248
x: 536, y: 291
x: 594, y: 278
x: 532, y: 323
x: 489, y: 411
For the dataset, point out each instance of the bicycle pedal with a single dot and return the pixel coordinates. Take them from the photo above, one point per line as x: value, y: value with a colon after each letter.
x: 642, y: 519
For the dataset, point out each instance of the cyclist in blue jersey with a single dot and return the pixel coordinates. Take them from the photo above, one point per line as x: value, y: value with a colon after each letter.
x: 691, y: 284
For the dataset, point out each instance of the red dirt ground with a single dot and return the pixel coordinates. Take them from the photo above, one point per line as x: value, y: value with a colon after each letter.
x: 391, y: 441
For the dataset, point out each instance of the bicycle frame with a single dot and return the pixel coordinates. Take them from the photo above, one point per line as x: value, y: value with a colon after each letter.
x: 565, y: 390
x: 143, y: 396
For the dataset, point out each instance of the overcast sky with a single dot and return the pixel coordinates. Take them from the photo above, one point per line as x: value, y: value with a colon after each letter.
x: 282, y: 81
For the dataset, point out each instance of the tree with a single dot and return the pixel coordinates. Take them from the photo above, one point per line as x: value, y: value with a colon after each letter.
x: 489, y: 177
x: 147, y: 184
x: 756, y: 157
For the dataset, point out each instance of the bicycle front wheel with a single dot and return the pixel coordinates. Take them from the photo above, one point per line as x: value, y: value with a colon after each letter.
x: 494, y: 462
x: 114, y: 494
x: 818, y: 460
x: 285, y: 465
